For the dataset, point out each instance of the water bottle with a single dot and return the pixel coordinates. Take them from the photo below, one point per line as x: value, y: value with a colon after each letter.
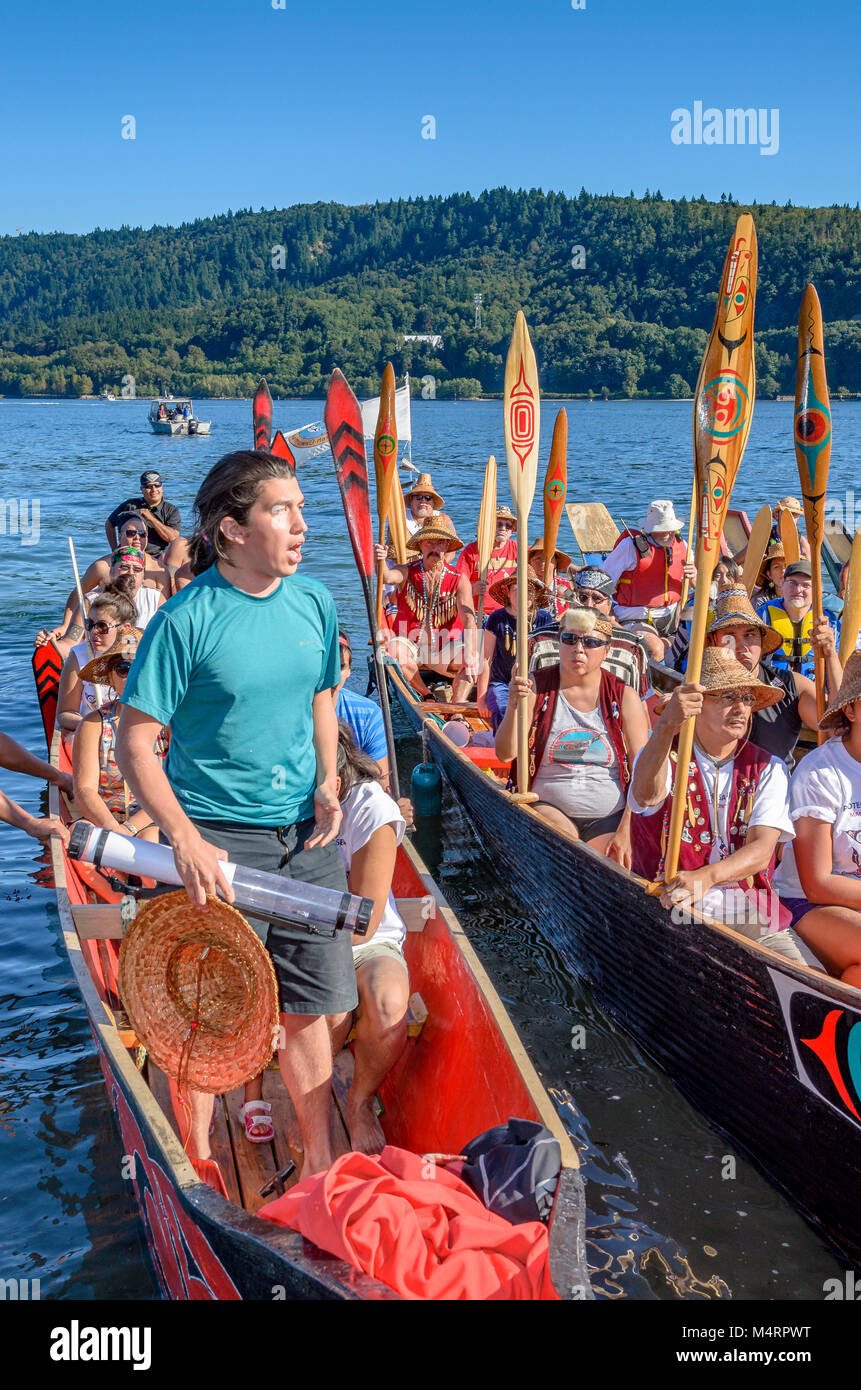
x: 274, y: 897
x: 426, y: 786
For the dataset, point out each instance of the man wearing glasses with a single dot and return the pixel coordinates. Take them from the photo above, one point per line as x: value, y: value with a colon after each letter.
x: 736, y: 804
x: 162, y: 518
x: 503, y: 559
x: 792, y: 617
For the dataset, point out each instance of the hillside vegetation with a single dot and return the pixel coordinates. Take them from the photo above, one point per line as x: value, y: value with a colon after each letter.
x: 208, y: 307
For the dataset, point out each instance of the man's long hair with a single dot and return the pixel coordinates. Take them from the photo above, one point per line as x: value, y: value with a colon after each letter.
x: 229, y: 489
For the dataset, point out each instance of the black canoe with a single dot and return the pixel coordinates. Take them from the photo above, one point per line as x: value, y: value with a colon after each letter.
x: 769, y: 1051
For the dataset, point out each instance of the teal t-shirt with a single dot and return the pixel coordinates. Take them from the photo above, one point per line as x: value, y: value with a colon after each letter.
x: 234, y: 678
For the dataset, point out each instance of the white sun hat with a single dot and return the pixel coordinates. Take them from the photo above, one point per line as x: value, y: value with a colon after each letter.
x: 661, y: 516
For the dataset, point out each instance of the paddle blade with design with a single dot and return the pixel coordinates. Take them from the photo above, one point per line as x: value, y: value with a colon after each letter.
x: 385, y: 464
x: 812, y: 432
x: 521, y: 420
x: 398, y: 520
x: 261, y: 411
x: 281, y: 449
x: 486, y: 531
x: 343, y: 417
x: 760, y: 534
x: 723, y: 410
x: 555, y: 485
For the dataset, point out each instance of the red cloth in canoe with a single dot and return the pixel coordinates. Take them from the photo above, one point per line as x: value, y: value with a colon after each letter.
x: 416, y: 1227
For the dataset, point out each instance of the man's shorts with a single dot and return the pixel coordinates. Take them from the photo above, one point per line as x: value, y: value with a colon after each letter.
x: 376, y: 950
x: 315, y: 972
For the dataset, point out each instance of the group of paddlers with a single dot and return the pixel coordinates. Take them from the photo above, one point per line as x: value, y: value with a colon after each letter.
x: 206, y: 706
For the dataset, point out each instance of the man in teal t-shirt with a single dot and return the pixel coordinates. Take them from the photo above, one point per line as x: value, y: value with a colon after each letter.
x: 241, y: 665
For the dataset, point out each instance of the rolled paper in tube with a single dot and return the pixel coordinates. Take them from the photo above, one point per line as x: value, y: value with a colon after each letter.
x: 274, y: 897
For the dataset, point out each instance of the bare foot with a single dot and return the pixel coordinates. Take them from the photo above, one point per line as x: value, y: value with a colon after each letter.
x: 366, y: 1133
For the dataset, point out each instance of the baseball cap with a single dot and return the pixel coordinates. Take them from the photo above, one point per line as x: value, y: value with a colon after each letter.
x: 151, y: 476
x: 801, y: 567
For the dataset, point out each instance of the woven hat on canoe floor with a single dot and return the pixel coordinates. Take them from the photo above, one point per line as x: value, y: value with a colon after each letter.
x: 733, y: 608
x: 721, y: 671
x: 200, y: 992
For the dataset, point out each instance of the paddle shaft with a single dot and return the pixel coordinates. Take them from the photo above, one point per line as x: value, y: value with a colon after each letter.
x: 85, y: 613
x: 851, y: 619
x: 382, y: 687
x: 486, y: 531
x: 695, y: 497
x: 522, y: 644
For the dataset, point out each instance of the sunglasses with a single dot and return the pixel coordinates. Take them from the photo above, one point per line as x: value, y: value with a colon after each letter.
x: 590, y: 596
x: 590, y: 644
x: 505, y: 525
x: 92, y: 625
x: 133, y: 531
x: 121, y: 668
x: 422, y: 497
x: 736, y: 697
x: 146, y: 485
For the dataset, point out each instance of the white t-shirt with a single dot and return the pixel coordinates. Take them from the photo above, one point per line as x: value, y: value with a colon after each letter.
x: 146, y: 602
x: 89, y: 702
x: 826, y: 786
x: 769, y: 808
x: 579, y: 772
x: 413, y: 525
x: 364, y: 810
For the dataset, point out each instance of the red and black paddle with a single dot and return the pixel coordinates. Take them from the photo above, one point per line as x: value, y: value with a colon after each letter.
x: 343, y: 418
x: 262, y: 417
x: 281, y: 449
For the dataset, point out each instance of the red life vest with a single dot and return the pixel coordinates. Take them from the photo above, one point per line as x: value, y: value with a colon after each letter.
x: 656, y: 582
x: 649, y: 833
x: 547, y: 693
x: 411, y: 616
x: 503, y: 562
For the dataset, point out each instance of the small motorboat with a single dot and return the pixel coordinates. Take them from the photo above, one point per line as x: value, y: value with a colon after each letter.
x: 175, y: 415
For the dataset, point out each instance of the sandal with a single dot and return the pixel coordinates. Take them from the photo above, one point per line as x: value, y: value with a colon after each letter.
x: 256, y: 1112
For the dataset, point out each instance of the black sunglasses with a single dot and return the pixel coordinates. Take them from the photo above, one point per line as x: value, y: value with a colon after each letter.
x: 590, y: 644
x: 121, y: 668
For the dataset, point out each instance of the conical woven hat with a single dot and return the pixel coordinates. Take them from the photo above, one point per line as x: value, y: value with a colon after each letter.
x: 200, y: 991
x: 436, y: 528
x: 423, y: 484
x: 733, y: 608
x: 720, y: 671
x: 850, y: 689
x: 537, y: 591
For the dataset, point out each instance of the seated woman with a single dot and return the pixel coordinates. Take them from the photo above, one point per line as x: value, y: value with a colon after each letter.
x: 109, y: 615
x: 371, y: 830
x: 819, y: 878
x: 101, y: 793
x: 586, y: 729
x: 500, y: 642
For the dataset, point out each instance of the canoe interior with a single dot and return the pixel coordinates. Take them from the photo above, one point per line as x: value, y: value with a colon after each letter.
x: 463, y: 1072
x: 759, y: 1044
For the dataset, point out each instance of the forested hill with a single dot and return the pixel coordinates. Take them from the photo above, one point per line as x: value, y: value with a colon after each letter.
x: 619, y: 294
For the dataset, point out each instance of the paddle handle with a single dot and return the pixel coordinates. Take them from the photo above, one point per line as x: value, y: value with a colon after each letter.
x: 85, y: 613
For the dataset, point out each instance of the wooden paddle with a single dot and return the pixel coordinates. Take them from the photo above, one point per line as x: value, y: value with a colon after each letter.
x: 695, y: 505
x: 760, y: 534
x: 813, y: 453
x: 723, y: 410
x: 522, y: 417
x: 281, y: 449
x: 398, y: 520
x: 385, y: 465
x: 343, y: 418
x: 789, y: 536
x: 851, y: 619
x: 486, y: 532
x: 85, y: 613
x: 555, y: 485
x: 261, y: 414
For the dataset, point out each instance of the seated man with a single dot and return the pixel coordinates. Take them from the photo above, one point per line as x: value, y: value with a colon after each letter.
x: 133, y: 532
x: 503, y: 559
x: 792, y: 618
x: 421, y: 503
x: 371, y: 830
x: 736, y: 807
x: 162, y: 518
x: 18, y: 759
x: 434, y: 625
x: 776, y: 727
x: 627, y: 656
x: 649, y: 567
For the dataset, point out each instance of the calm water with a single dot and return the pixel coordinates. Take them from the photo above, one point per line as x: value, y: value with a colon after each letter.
x: 663, y: 1222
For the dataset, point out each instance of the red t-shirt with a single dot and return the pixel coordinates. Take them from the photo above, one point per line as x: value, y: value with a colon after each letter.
x: 503, y: 562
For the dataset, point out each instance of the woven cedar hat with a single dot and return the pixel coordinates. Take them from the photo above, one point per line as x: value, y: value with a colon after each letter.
x: 499, y: 590
x: 560, y: 559
x: 585, y: 620
x: 200, y: 991
x: 506, y: 514
x: 733, y: 608
x: 721, y: 671
x: 850, y: 689
x: 774, y: 551
x: 788, y: 504
x: 124, y: 649
x: 436, y: 528
x: 423, y: 484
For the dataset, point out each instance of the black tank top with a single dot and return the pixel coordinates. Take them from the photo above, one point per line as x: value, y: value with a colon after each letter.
x: 776, y: 729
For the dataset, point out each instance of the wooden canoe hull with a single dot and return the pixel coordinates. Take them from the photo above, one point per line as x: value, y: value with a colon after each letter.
x: 730, y: 1022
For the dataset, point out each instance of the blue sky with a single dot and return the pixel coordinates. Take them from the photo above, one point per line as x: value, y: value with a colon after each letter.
x: 238, y: 104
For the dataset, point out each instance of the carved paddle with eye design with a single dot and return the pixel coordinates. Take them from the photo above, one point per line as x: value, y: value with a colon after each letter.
x: 812, y: 432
